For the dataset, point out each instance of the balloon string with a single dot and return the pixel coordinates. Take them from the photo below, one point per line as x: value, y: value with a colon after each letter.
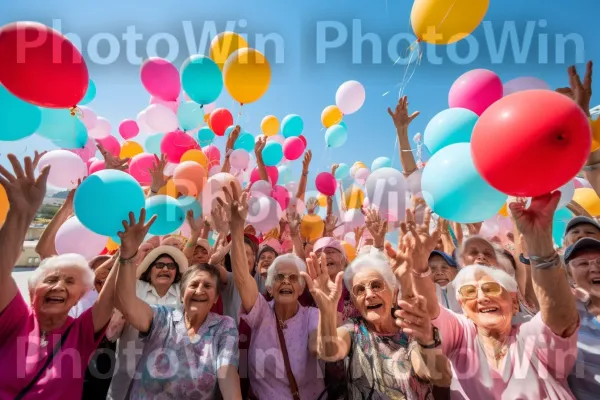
x: 76, y: 111
x: 446, y: 16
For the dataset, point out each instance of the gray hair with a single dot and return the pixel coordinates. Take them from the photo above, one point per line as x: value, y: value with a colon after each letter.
x: 375, y: 262
x: 460, y: 250
x: 469, y: 274
x: 54, y: 263
x: 288, y: 258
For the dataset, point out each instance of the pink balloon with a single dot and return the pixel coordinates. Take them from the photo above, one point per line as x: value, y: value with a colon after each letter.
x: 582, y: 183
x: 239, y: 159
x: 261, y: 188
x: 476, y: 90
x: 293, y: 147
x: 326, y: 183
x: 139, y: 167
x: 361, y: 175
x: 282, y: 195
x: 101, y: 129
x: 175, y: 144
x: 90, y: 161
x: 161, y: 78
x: 212, y: 153
x: 350, y: 97
x: 96, y: 166
x: 111, y: 144
x: 73, y: 237
x: 160, y: 118
x: 264, y: 213
x: 171, y: 105
x: 66, y: 168
x: 214, y: 170
x: 273, y: 173
x: 524, y: 83
x: 129, y: 129
x: 276, y: 138
x: 87, y: 152
x: 88, y: 117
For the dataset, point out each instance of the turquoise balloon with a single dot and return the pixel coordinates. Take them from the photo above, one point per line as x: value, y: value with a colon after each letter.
x: 454, y: 190
x: 117, y: 239
x: 57, y: 123
x: 559, y: 225
x: 190, y: 203
x: 451, y: 126
x: 272, y: 154
x: 335, y: 136
x: 381, y: 162
x: 190, y: 115
x: 18, y: 119
x: 292, y: 125
x: 75, y: 138
x: 342, y: 123
x: 90, y: 94
x: 245, y: 142
x: 169, y: 214
x: 201, y: 79
x: 205, y: 136
x: 342, y: 172
x: 152, y: 144
x: 105, y: 199
x: 286, y: 174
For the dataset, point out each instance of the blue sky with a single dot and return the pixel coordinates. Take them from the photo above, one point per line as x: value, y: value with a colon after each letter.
x: 301, y: 85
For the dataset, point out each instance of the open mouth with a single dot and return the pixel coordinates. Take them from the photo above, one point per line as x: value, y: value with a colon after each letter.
x: 164, y: 275
x: 442, y: 282
x: 595, y: 281
x: 200, y: 299
x: 374, y: 306
x: 488, y: 310
x: 285, y: 291
x: 54, y: 300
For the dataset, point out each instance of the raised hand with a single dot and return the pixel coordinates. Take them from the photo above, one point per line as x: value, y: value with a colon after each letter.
x: 377, y: 226
x: 235, y: 205
x: 112, y: 162
x: 537, y: 219
x: 219, y: 250
x: 331, y: 223
x: 134, y: 233
x: 475, y: 228
x: 579, y: 92
x: 334, y: 168
x: 220, y: 221
x: 157, y: 172
x: 400, y: 113
x: 259, y: 146
x: 231, y: 139
x: 429, y: 241
x: 358, y: 233
x: 401, y: 258
x: 293, y: 220
x: 25, y: 193
x: 306, y: 161
x: 413, y: 318
x: 311, y: 205
x: 196, y: 224
x: 326, y: 293
x: 37, y: 157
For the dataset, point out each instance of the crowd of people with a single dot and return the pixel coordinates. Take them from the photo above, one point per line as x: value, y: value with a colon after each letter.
x: 443, y: 313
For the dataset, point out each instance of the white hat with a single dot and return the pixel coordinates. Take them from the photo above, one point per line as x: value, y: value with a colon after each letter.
x: 175, y: 254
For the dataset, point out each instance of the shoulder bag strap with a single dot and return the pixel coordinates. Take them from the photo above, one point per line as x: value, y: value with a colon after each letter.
x: 42, y: 370
x: 286, y: 361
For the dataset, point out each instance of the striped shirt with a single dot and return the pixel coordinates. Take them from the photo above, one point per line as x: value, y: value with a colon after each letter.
x: 585, y: 378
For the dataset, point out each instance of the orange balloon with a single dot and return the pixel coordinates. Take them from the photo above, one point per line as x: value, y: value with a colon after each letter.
x: 595, y: 134
x: 189, y: 178
x: 311, y: 227
x: 4, y: 206
x: 322, y: 199
x: 349, y: 250
x: 195, y: 155
x: 354, y: 197
x: 504, y: 210
x: 130, y: 149
x: 169, y: 189
x: 111, y: 245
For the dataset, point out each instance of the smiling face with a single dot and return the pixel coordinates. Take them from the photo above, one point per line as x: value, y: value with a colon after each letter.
x: 59, y: 291
x: 479, y: 251
x: 200, y: 293
x: 372, y: 296
x: 335, y: 261
x: 287, y: 287
x: 579, y: 232
x: 200, y: 255
x: 441, y: 272
x: 163, y: 271
x: 264, y: 261
x: 585, y: 271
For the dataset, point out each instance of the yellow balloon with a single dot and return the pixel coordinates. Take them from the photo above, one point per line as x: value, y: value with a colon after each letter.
x: 4, y: 206
x: 589, y: 200
x: 130, y: 149
x: 224, y: 45
x: 311, y: 227
x: 331, y: 115
x: 196, y: 156
x: 349, y: 250
x: 595, y: 134
x: 503, y: 211
x: 247, y: 75
x: 111, y: 245
x: 354, y: 198
x: 169, y: 189
x: 269, y: 125
x: 446, y: 21
x: 322, y: 200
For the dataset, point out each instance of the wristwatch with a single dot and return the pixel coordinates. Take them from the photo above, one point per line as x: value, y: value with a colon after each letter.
x: 437, y: 341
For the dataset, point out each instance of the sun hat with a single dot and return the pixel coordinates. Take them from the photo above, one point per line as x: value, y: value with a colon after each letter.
x: 176, y: 254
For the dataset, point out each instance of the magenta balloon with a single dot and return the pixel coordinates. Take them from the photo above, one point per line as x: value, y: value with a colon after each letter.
x: 476, y: 90
x: 272, y: 172
x: 161, y: 78
x: 87, y: 152
x: 111, y: 144
x: 139, y: 167
x: 282, y: 196
x: 524, y: 83
x: 212, y: 153
x: 129, y: 129
x: 175, y: 144
x: 293, y: 147
x: 96, y: 166
x: 326, y: 183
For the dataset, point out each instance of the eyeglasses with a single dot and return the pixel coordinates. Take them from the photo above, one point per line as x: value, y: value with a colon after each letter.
x: 170, y: 266
x: 292, y: 278
x: 492, y: 289
x: 360, y: 290
x: 584, y: 263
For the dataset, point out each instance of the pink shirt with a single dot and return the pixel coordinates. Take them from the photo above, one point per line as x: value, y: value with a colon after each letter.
x: 536, y: 367
x: 21, y: 356
x: 266, y: 368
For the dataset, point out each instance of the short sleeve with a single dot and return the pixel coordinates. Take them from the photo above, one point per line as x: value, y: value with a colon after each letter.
x: 452, y: 329
x: 313, y: 318
x: 258, y: 313
x: 161, y: 316
x: 13, y: 317
x: 227, y: 344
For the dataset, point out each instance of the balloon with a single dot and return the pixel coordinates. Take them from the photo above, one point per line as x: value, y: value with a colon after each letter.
x: 261, y: 188
x: 175, y: 144
x: 272, y: 154
x: 588, y: 199
x: 140, y: 166
x: 105, y: 199
x: 171, y: 105
x: 303, y: 140
x: 362, y: 175
x: 169, y: 189
x: 189, y: 203
x: 160, y: 118
x: 4, y: 205
x: 269, y: 125
x: 476, y: 90
x: 567, y: 191
x: 205, y: 136
x: 18, y: 119
x: 190, y: 115
x: 220, y: 120
x: 170, y: 215
x: 75, y: 138
x: 189, y: 178
x: 239, y: 159
x: 245, y: 142
x: 350, y: 97
x: 292, y: 125
x: 559, y: 225
x: 343, y: 171
x: 272, y: 172
x: 247, y: 75
x: 523, y: 150
x: 130, y: 149
x: 66, y: 168
x: 379, y: 162
x: 277, y: 139
x: 335, y: 136
x: 111, y: 144
x: 201, y: 79
x: 57, y: 124
x: 581, y: 183
x: 195, y: 155
x: 293, y: 147
x: 90, y: 93
x: 101, y: 129
x: 413, y: 182
x: 386, y: 189
x: 88, y: 117
x: 326, y: 184
x: 160, y: 78
x: 73, y: 237
x: 454, y: 189
x: 152, y: 144
x: 87, y: 152
x: 224, y: 45
x: 330, y: 116
x: 311, y: 227
x: 446, y: 21
x: 129, y: 129
x: 212, y: 153
x: 349, y: 250
x: 454, y: 125
x: 96, y: 166
x: 264, y: 213
x: 285, y: 173
x: 524, y: 83
x: 282, y: 195
x: 41, y: 66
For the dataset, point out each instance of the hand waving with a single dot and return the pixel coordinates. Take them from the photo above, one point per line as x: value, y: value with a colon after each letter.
x: 293, y: 219
x: 112, y: 162
x: 311, y: 205
x: 377, y: 227
x: 37, y: 157
x: 537, y: 219
x: 306, y: 161
x: 259, y: 146
x: 197, y: 224
x: 157, y: 172
x: 326, y: 293
x: 25, y: 193
x: 235, y: 210
x: 219, y: 250
x: 231, y: 139
x: 580, y: 93
x: 220, y: 221
x: 134, y: 233
x: 429, y: 241
x: 400, y: 114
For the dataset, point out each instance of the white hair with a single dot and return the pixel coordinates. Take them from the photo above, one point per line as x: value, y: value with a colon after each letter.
x: 375, y: 262
x: 288, y: 258
x: 54, y: 263
x: 471, y: 273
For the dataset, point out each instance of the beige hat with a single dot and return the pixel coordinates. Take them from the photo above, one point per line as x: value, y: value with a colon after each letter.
x: 171, y: 251
x: 204, y: 244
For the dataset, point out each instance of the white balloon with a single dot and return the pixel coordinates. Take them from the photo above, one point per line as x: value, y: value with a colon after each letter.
x: 350, y: 97
x: 567, y: 192
x: 73, y: 237
x: 88, y: 117
x: 386, y: 190
x: 264, y: 213
x: 160, y: 118
x: 101, y: 129
x: 66, y: 168
x: 143, y: 125
x: 262, y: 187
x: 208, y: 108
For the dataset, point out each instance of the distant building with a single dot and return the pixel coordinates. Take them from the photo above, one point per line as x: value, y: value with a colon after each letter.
x: 29, y: 258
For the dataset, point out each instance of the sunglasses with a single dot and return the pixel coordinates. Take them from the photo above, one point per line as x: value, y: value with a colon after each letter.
x: 583, y: 263
x: 492, y: 289
x: 376, y: 286
x: 292, y: 278
x: 170, y: 266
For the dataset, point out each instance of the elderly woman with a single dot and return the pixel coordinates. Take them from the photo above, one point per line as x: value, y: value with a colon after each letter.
x: 492, y: 357
x: 443, y: 271
x: 579, y: 228
x: 33, y: 339
x: 280, y: 328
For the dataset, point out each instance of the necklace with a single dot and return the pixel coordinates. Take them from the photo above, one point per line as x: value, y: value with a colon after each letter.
x: 281, y: 323
x: 496, y: 355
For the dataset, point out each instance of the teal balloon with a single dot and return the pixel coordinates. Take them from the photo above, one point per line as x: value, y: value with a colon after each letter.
x: 205, y: 136
x: 117, y: 239
x: 90, y: 94
x: 201, y: 79
x: 169, y: 214
x: 559, y: 225
x: 451, y: 126
x: 381, y: 162
x: 75, y: 138
x: 286, y: 175
x: 342, y: 172
x: 292, y: 125
x: 336, y: 136
x: 454, y: 190
x: 342, y: 123
x: 57, y: 123
x: 190, y: 115
x: 105, y: 199
x: 190, y: 203
x: 272, y: 154
x: 152, y: 144
x: 245, y: 142
x: 18, y: 119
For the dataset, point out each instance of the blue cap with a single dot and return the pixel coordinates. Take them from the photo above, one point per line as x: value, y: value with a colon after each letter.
x: 581, y: 244
x: 580, y: 221
x: 451, y: 262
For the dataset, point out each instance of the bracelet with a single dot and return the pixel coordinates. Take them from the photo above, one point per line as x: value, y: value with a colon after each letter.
x: 305, y: 174
x: 127, y: 260
x: 154, y: 192
x: 543, y: 259
x: 591, y: 167
x: 545, y: 263
x: 422, y: 274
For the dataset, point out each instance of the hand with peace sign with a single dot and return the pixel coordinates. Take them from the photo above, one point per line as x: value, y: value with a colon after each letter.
x: 326, y: 293
x: 235, y: 206
x: 580, y: 93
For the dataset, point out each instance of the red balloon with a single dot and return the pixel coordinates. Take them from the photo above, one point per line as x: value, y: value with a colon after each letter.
x: 273, y: 173
x: 220, y: 120
x: 531, y: 143
x: 41, y: 66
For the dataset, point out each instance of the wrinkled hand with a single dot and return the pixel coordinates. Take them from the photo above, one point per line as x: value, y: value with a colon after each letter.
x: 235, y: 205
x: 429, y: 241
x: 306, y: 161
x: 400, y: 114
x: 219, y: 250
x: 475, y: 228
x: 157, y: 172
x: 293, y: 220
x: 311, y: 205
x: 232, y: 138
x: 134, y: 233
x: 259, y: 146
x: 196, y: 224
x: 112, y: 162
x: 358, y: 233
x: 25, y: 193
x: 444, y: 226
x: 377, y: 226
x: 37, y: 157
x: 326, y: 293
x: 537, y: 219
x: 331, y: 223
x: 401, y: 259
x: 580, y: 93
x: 414, y: 320
x: 220, y: 221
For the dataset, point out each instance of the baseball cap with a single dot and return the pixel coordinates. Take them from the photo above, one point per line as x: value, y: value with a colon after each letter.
x: 451, y: 262
x: 328, y: 242
x: 580, y: 221
x: 581, y: 244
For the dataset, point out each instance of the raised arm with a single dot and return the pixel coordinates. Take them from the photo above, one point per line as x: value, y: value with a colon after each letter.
x: 45, y: 246
x: 401, y: 121
x: 231, y: 139
x: 25, y: 195
x: 304, y: 177
x: 157, y: 172
x: 259, y: 146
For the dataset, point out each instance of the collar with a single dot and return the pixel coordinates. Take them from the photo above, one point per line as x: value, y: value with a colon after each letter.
x: 211, y: 320
x: 172, y: 290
